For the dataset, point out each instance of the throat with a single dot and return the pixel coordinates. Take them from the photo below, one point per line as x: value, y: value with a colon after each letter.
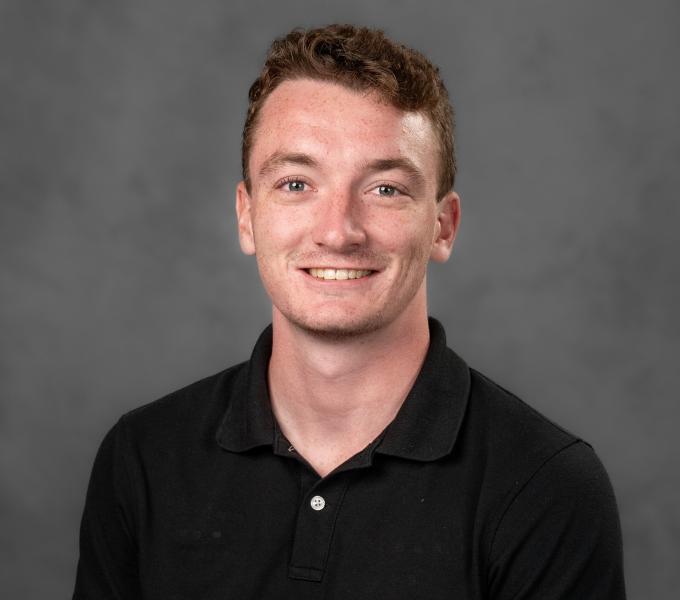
x: 328, y: 422
x: 332, y: 398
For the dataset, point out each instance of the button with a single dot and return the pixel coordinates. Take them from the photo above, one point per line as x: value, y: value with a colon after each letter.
x: 318, y: 503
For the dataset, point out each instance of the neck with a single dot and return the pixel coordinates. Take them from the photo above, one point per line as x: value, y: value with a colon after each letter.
x: 332, y: 397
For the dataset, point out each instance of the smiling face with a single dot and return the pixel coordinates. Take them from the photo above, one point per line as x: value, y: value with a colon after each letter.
x: 342, y: 213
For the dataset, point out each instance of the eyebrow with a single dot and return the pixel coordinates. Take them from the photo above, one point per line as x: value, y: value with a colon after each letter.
x: 278, y: 159
x: 286, y: 158
x: 401, y: 163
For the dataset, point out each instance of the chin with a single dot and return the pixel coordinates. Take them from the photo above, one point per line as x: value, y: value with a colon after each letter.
x: 340, y: 328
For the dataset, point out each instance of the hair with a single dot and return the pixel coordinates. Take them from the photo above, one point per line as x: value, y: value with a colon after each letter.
x: 360, y: 59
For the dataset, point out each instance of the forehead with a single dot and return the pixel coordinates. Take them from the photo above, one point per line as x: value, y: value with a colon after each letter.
x: 330, y: 120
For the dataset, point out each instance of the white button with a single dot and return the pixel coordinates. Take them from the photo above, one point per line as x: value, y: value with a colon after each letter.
x: 318, y: 503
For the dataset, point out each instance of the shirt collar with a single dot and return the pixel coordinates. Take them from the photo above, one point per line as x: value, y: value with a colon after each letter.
x: 427, y: 424
x: 425, y: 428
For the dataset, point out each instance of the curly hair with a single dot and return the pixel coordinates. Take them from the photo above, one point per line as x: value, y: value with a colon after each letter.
x: 361, y: 59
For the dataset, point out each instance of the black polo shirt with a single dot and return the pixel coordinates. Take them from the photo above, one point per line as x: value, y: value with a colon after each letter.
x: 468, y: 494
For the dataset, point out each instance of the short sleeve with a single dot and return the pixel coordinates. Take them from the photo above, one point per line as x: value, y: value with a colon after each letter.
x: 559, y: 538
x: 107, y: 566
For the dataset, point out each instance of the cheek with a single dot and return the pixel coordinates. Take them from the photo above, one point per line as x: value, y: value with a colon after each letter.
x: 275, y: 232
x: 408, y: 239
x: 388, y: 226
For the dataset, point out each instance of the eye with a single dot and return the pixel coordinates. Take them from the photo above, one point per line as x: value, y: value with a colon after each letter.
x: 295, y: 185
x: 387, y: 190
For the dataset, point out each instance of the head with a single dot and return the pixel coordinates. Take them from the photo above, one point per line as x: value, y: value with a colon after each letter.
x: 360, y: 59
x: 348, y: 173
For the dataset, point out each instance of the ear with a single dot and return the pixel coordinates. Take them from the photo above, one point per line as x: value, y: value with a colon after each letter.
x: 244, y: 216
x: 448, y: 220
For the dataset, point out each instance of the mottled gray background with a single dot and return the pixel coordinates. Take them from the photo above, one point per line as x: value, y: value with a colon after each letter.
x: 122, y: 279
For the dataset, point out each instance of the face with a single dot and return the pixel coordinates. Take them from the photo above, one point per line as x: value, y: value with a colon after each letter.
x: 342, y: 213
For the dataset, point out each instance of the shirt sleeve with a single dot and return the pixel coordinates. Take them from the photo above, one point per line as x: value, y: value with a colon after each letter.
x: 107, y: 566
x: 560, y: 538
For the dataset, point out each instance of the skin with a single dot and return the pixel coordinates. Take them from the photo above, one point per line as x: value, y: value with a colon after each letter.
x: 339, y: 179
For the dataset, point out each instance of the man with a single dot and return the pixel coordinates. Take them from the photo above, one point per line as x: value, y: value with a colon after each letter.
x: 354, y: 455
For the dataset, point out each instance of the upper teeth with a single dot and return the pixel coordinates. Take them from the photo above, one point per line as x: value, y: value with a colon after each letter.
x: 338, y: 273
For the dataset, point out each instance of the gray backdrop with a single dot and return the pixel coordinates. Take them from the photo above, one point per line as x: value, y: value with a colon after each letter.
x: 122, y: 279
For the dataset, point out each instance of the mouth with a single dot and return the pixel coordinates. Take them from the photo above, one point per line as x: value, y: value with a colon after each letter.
x: 339, y: 274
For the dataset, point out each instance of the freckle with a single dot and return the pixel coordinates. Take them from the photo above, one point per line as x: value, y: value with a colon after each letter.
x: 217, y: 534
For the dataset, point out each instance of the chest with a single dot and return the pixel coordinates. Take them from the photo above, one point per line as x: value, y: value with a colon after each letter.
x: 270, y: 528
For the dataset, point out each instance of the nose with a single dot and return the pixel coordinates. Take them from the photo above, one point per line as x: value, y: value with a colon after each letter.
x: 339, y: 224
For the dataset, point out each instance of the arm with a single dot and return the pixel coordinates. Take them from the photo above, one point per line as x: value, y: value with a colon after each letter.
x: 559, y: 538
x: 107, y: 567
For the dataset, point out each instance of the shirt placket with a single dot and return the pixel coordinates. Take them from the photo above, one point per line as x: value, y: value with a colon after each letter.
x: 321, y: 501
x: 320, y: 505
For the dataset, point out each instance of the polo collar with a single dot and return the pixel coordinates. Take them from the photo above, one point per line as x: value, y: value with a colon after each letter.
x: 425, y: 428
x: 248, y: 421
x: 428, y: 422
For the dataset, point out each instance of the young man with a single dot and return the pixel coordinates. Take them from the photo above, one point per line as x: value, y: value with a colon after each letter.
x: 354, y: 455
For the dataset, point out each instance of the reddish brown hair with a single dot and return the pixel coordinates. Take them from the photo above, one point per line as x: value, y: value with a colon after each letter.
x: 361, y: 59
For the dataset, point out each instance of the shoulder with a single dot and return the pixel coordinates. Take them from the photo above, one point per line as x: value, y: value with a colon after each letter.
x: 541, y: 492
x: 513, y: 436
x: 525, y: 461
x: 192, y: 411
x: 505, y: 443
x: 558, y: 533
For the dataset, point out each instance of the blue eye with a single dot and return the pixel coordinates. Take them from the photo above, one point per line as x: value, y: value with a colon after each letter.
x: 296, y: 186
x: 387, y: 190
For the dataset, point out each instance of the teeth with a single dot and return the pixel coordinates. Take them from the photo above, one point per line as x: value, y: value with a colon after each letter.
x: 340, y: 274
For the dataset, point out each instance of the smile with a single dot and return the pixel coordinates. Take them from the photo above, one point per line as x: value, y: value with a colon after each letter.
x: 339, y: 273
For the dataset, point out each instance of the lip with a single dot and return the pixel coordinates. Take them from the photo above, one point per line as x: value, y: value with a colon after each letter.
x: 308, y: 276
x: 336, y: 267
